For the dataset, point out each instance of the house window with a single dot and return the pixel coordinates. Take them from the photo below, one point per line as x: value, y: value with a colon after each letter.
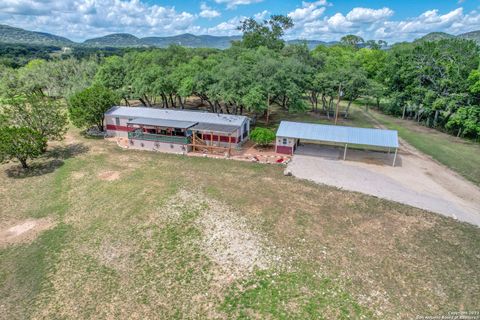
x: 285, y: 141
x: 117, y: 121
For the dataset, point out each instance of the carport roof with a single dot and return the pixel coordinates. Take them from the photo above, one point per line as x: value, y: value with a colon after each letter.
x: 338, y: 134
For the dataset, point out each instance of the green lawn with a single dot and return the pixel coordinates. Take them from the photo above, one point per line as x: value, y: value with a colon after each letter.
x: 147, y: 235
x: 460, y: 155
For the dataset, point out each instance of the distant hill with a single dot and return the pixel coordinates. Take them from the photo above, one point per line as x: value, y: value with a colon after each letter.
x: 186, y: 40
x: 436, y: 36
x: 114, y: 40
x: 16, y: 35
x: 190, y: 40
x: 474, y: 35
x: 312, y: 44
x: 122, y: 40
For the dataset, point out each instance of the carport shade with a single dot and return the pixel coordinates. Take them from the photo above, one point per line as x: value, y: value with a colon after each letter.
x: 338, y: 134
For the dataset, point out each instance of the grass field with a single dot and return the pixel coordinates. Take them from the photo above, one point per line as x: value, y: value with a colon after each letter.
x: 146, y: 235
x: 458, y: 154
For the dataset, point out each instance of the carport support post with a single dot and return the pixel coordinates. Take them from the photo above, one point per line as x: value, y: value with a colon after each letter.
x: 345, y: 152
x: 395, y: 157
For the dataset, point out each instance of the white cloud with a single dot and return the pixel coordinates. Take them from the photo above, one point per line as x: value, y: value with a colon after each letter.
x: 207, y: 12
x: 232, y: 4
x: 261, y: 15
x: 367, y: 15
x: 372, y: 23
x: 308, y: 12
x: 227, y: 28
x: 80, y: 19
x: 339, y: 23
x: 454, y: 22
x: 230, y: 27
x: 431, y: 20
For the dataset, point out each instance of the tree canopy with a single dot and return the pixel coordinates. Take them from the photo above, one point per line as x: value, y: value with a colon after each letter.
x: 43, y: 114
x: 267, y: 33
x: 21, y: 143
x: 87, y: 107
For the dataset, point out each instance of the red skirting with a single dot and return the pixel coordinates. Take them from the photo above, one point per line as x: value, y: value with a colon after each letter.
x: 206, y: 137
x: 118, y: 128
x: 284, y: 150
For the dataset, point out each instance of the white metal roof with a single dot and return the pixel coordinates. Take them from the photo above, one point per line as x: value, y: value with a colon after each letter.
x: 208, y: 127
x: 179, y: 115
x: 162, y: 123
x: 338, y: 134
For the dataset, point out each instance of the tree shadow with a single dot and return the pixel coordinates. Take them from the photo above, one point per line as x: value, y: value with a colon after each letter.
x: 49, y: 162
x: 66, y: 152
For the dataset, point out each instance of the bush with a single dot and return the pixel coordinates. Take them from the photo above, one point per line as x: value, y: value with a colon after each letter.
x: 262, y: 136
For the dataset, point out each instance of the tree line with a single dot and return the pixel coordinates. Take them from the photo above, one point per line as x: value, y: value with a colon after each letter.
x: 436, y: 83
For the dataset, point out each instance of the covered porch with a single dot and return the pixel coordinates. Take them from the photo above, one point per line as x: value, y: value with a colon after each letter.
x: 214, y: 138
x: 160, y: 130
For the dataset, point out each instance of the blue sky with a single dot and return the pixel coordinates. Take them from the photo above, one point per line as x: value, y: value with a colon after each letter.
x: 391, y: 20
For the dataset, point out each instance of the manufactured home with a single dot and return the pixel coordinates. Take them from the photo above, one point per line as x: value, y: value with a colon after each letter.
x: 176, y: 131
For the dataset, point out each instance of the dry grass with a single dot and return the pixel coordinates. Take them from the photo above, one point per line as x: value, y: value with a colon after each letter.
x: 187, y: 237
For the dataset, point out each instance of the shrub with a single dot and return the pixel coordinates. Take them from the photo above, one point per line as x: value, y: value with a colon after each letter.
x: 262, y: 136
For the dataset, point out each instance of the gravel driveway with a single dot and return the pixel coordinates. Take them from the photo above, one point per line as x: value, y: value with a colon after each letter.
x: 416, y: 180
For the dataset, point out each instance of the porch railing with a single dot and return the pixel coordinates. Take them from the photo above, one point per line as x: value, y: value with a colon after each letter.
x: 158, y: 137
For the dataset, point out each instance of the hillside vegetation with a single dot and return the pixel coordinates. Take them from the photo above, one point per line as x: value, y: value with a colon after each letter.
x: 16, y: 35
x: 114, y: 40
x: 11, y: 35
x: 474, y: 35
x: 435, y: 36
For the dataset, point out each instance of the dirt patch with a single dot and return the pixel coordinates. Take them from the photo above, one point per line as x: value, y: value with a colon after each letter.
x: 77, y: 175
x: 24, y: 231
x: 109, y: 175
x: 227, y: 238
x: 115, y: 255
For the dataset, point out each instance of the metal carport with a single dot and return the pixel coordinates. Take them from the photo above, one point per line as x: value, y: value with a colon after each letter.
x: 338, y: 134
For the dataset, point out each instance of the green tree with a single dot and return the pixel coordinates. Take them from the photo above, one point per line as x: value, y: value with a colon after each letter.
x: 466, y: 122
x: 431, y: 79
x: 267, y: 33
x: 376, y: 45
x: 87, y: 108
x: 40, y: 113
x: 262, y: 136
x: 352, y: 40
x: 21, y: 143
x: 56, y: 78
x: 111, y: 73
x: 474, y: 82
